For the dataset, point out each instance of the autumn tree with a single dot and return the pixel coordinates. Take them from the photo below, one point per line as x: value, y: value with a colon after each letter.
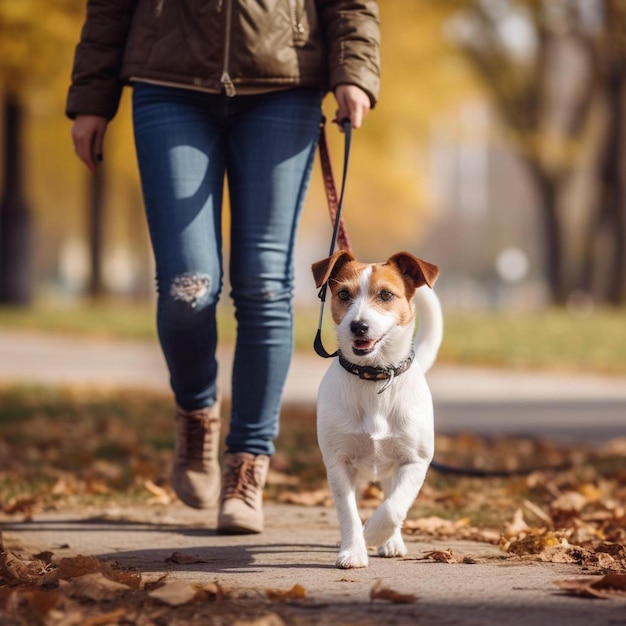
x: 34, y: 36
x: 549, y: 67
x: 603, y: 270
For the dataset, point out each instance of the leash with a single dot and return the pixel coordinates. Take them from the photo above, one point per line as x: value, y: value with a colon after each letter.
x: 340, y: 235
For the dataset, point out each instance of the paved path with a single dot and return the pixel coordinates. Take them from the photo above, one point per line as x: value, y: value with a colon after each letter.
x: 486, y: 401
x: 299, y: 547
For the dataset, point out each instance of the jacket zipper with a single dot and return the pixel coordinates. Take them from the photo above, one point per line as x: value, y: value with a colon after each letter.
x: 225, y: 79
x: 296, y: 22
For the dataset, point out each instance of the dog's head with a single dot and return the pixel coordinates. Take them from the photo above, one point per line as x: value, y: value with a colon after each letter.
x: 372, y: 303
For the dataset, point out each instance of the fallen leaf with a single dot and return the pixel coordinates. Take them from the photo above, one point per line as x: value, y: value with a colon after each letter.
x: 15, y: 570
x: 45, y: 556
x: 569, y: 501
x: 183, y: 559
x: 538, y: 512
x: 75, y: 566
x: 447, y: 556
x: 603, y: 587
x: 315, y: 497
x: 516, y: 526
x: 378, y: 592
x: 591, y: 492
x: 297, y: 592
x: 38, y: 601
x: 106, y: 619
x: 213, y: 591
x: 95, y: 586
x: 435, y: 525
x: 373, y: 492
x: 271, y: 619
x: 440, y: 556
x: 22, y: 504
x: 176, y: 593
x: 159, y: 495
x: 533, y: 543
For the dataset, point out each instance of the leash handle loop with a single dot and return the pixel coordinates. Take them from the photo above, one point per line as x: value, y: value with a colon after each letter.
x: 335, y: 206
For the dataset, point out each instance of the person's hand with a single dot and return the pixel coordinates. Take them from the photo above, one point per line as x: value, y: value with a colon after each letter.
x: 88, y: 136
x: 353, y: 104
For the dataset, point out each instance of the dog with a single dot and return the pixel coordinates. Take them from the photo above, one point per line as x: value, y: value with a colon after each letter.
x: 374, y: 407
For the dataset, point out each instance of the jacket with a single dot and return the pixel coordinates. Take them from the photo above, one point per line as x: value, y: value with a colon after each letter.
x: 231, y: 46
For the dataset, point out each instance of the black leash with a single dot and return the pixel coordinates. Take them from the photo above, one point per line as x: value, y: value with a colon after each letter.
x: 338, y: 224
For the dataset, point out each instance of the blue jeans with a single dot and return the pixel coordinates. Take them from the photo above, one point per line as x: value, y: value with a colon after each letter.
x: 187, y: 143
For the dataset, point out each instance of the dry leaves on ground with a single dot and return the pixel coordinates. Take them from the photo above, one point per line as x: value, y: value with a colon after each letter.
x: 67, y: 447
x: 297, y: 592
x: 79, y: 591
x: 575, y: 515
x: 607, y: 586
x: 378, y: 592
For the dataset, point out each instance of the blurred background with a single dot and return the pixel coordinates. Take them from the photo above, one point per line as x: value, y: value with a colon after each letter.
x: 496, y: 151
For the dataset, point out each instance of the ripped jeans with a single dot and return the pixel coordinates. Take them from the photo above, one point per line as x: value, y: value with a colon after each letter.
x: 187, y: 142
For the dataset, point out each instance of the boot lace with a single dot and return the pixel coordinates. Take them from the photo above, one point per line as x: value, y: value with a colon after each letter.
x: 239, y: 481
x: 197, y: 444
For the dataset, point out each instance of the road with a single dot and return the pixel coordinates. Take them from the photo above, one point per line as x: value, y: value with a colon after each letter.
x: 567, y: 408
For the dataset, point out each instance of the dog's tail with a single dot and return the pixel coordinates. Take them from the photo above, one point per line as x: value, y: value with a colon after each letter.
x: 430, y: 327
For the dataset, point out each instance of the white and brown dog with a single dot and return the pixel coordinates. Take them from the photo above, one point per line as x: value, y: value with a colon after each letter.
x: 374, y: 410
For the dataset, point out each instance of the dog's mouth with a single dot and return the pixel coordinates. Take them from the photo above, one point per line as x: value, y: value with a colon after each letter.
x: 363, y: 346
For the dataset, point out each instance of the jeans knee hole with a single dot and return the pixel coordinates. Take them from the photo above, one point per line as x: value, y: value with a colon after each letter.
x: 190, y: 288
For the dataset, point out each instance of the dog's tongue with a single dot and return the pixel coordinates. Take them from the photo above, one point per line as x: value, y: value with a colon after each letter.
x: 363, y: 344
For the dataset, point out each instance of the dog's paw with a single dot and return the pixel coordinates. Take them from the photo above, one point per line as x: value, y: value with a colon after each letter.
x: 380, y: 528
x: 348, y: 559
x: 394, y: 547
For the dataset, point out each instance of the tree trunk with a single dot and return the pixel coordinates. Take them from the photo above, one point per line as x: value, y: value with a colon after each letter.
x: 604, y: 247
x: 16, y: 237
x: 617, y: 228
x: 553, y: 245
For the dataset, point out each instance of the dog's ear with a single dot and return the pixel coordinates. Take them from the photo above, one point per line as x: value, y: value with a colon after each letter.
x: 323, y: 270
x: 419, y: 272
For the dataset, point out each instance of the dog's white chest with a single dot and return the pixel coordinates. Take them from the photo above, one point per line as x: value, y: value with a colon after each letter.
x: 372, y: 447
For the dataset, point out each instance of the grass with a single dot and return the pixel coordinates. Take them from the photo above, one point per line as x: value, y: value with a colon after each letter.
x: 550, y: 339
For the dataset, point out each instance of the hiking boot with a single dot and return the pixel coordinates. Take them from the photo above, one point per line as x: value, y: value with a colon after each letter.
x: 241, y: 502
x: 196, y: 472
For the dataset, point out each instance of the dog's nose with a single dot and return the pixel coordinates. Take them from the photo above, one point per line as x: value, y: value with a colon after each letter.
x: 358, y: 328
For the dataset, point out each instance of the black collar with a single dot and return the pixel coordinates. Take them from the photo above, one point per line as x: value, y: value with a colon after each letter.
x: 367, y: 372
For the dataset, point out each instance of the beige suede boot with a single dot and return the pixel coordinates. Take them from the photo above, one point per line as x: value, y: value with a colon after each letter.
x: 241, y: 501
x: 196, y: 471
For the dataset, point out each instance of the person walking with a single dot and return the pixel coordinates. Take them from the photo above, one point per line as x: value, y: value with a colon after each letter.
x: 223, y: 90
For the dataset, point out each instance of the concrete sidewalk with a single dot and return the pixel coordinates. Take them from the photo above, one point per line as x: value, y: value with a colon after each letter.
x: 299, y: 544
x: 59, y: 359
x: 299, y: 547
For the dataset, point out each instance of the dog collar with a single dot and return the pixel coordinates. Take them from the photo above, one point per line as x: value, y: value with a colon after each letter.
x: 367, y: 372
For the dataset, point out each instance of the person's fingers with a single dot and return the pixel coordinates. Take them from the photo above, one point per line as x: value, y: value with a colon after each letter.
x: 353, y: 104
x: 88, y: 137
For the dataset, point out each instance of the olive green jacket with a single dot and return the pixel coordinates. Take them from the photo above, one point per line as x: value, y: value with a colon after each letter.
x: 231, y: 46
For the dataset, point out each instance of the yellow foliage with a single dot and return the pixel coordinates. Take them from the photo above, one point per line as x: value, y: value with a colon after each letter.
x: 388, y: 184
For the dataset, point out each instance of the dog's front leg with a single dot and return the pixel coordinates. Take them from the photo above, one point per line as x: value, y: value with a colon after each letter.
x: 384, y: 528
x: 395, y: 545
x: 352, y: 551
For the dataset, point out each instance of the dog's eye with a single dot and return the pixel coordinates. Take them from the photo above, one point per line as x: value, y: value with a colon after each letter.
x: 343, y: 294
x: 386, y: 296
